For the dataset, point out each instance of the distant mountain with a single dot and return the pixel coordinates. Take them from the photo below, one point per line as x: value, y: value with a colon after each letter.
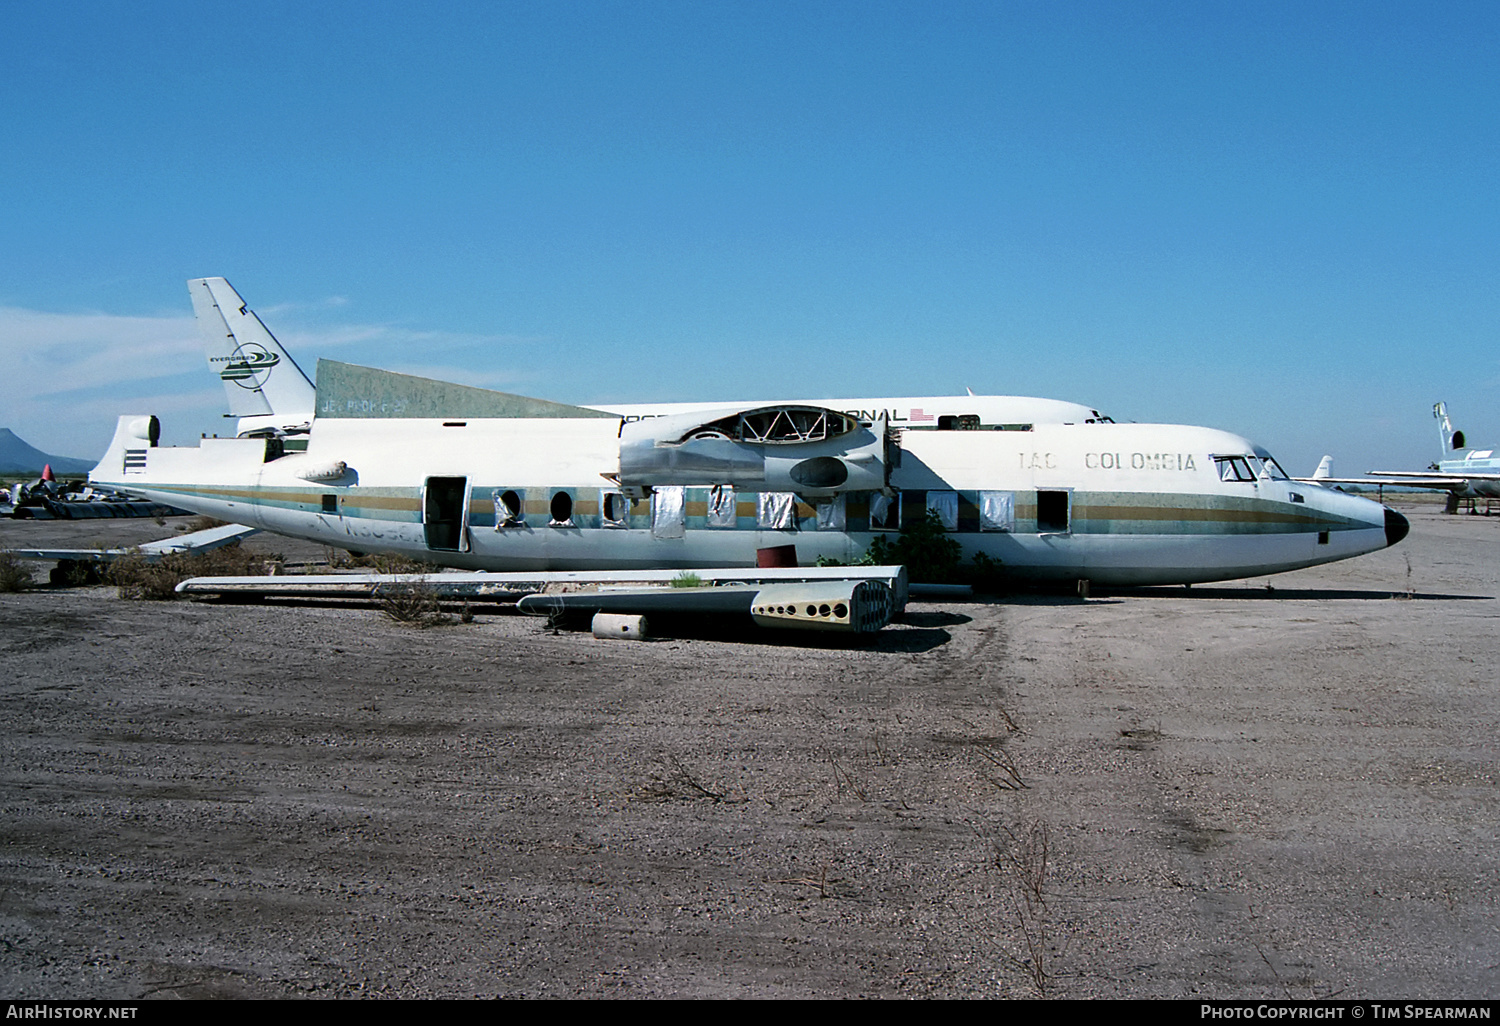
x: 18, y: 458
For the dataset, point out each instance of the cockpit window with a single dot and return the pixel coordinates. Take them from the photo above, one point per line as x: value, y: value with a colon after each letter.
x: 1234, y: 468
x: 1249, y: 468
x: 1271, y: 468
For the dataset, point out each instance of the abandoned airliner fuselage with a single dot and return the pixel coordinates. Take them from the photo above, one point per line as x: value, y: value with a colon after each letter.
x: 483, y: 480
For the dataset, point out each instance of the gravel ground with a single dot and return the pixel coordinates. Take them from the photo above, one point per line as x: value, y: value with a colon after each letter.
x: 1216, y: 792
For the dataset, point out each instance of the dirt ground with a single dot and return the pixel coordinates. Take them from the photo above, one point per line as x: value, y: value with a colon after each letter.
x: 1218, y: 792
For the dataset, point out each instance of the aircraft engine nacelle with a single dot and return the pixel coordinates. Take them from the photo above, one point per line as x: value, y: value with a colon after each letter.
x: 802, y: 449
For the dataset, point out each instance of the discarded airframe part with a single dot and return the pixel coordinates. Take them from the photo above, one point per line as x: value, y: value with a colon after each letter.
x: 346, y: 390
x: 776, y: 555
x: 858, y: 606
x: 641, y: 601
x: 324, y: 471
x: 614, y: 627
x: 198, y: 541
x: 803, y: 449
x: 50, y: 499
x: 509, y: 586
x: 441, y: 585
x: 52, y: 509
x: 838, y: 605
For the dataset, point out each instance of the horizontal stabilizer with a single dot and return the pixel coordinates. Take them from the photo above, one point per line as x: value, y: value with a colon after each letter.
x: 346, y: 390
x: 198, y: 541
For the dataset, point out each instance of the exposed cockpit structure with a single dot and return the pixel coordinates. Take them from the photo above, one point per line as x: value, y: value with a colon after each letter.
x: 816, y: 452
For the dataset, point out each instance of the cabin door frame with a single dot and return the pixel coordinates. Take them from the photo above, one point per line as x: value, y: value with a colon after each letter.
x: 1054, y: 514
x: 445, y: 513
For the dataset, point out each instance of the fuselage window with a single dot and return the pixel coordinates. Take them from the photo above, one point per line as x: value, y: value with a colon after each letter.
x: 616, y: 510
x: 508, y: 509
x: 722, y: 508
x: 913, y: 509
x: 959, y: 422
x: 831, y: 513
x: 669, y: 512
x: 776, y: 511
x: 562, y: 510
x: 997, y: 511
x: 945, y: 505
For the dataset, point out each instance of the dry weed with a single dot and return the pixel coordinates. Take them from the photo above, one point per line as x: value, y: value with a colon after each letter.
x: 14, y: 574
x: 412, y: 602
x: 1024, y: 861
x: 140, y: 578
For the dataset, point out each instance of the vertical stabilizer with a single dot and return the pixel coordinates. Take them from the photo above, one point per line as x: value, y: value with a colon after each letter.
x: 1325, y: 469
x: 1452, y: 440
x: 261, y: 380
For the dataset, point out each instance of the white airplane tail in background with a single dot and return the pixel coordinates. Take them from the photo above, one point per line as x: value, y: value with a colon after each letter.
x: 1325, y: 469
x: 1452, y: 440
x: 265, y: 387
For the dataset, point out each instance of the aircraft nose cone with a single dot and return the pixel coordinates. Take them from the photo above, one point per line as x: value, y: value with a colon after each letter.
x: 1396, y: 527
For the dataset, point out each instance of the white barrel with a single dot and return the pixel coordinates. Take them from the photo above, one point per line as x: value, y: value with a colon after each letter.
x: 620, y: 625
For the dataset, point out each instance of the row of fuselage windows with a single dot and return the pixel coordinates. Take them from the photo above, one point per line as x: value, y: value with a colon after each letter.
x: 674, y: 508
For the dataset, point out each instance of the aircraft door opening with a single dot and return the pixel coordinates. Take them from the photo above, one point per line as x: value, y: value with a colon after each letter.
x: 445, y: 513
x: 1052, y: 511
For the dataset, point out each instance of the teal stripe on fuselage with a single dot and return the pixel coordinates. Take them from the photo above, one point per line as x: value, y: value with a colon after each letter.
x: 1101, y: 513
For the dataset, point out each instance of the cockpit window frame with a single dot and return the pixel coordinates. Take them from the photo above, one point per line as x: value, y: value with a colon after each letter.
x: 1236, y: 468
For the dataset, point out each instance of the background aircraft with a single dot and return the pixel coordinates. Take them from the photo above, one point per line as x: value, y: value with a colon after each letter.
x: 1475, y: 475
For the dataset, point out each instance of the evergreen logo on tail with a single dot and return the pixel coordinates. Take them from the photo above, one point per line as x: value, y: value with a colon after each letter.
x: 249, y: 365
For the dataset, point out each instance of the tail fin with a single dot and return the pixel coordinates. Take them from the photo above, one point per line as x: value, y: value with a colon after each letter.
x: 261, y: 380
x: 1452, y: 440
x: 1325, y: 468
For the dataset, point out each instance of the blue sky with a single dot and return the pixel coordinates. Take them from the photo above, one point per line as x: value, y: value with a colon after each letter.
x: 1278, y: 219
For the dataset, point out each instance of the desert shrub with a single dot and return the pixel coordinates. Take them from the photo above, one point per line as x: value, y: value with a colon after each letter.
x: 140, y: 578
x: 339, y: 559
x: 865, y: 559
x: 76, y: 573
x: 394, y: 563
x: 984, y: 574
x: 930, y: 553
x: 203, y: 523
x: 14, y: 574
x: 687, y: 579
x: 413, y: 603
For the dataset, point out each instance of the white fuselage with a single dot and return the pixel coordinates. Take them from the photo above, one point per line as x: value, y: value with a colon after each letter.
x: 1124, y: 504
x: 909, y: 412
x: 1475, y: 461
